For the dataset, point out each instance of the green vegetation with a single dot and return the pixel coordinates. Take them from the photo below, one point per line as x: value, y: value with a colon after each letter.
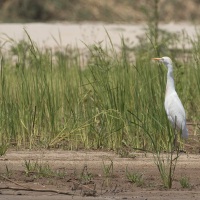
x: 166, y: 165
x: 185, y: 182
x: 41, y: 169
x: 3, y: 149
x: 135, y: 178
x: 50, y: 100
x: 85, y: 176
x: 8, y: 172
x: 108, y: 169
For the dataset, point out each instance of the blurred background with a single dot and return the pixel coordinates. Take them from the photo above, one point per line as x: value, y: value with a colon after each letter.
x: 111, y: 11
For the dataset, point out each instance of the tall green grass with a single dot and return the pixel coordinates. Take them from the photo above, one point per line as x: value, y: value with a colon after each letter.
x: 48, y: 99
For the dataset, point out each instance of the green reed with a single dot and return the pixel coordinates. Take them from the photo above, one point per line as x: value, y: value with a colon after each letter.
x: 50, y: 99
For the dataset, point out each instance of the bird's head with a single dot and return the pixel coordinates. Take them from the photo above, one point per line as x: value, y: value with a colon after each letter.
x: 165, y: 60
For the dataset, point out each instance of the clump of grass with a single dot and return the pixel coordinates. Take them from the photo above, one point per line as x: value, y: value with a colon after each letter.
x: 8, y: 172
x: 166, y: 165
x: 3, y: 149
x: 108, y: 168
x: 135, y: 178
x: 30, y: 166
x: 41, y: 169
x: 185, y: 182
x: 85, y: 176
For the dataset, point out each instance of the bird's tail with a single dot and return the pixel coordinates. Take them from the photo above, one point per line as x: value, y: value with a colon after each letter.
x: 184, y: 134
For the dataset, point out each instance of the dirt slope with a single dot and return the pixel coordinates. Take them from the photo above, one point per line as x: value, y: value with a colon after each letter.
x: 95, y: 10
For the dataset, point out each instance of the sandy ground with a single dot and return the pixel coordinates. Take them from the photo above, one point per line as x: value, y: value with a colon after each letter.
x: 118, y: 186
x: 55, y: 35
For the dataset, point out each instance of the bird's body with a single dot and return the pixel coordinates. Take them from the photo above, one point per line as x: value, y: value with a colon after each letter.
x: 173, y: 106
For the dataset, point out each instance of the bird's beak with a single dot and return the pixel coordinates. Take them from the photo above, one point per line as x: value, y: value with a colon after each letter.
x: 156, y: 59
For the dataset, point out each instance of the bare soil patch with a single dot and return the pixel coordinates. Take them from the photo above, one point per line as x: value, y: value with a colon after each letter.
x: 82, y: 176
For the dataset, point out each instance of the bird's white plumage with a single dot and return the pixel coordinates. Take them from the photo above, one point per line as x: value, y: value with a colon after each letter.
x: 175, y: 112
x: 173, y: 106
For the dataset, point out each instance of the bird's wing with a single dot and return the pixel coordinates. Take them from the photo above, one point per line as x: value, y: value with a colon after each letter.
x: 175, y: 110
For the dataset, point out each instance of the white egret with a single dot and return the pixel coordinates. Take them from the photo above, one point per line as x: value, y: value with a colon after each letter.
x: 173, y: 106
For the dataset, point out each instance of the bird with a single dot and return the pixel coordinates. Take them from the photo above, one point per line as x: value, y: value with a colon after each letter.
x: 173, y: 106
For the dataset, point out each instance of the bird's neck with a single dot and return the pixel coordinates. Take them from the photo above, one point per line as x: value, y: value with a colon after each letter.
x: 170, y: 87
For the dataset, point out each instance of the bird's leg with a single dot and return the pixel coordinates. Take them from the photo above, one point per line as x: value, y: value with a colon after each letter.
x: 182, y: 148
x: 176, y: 144
x: 175, y: 141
